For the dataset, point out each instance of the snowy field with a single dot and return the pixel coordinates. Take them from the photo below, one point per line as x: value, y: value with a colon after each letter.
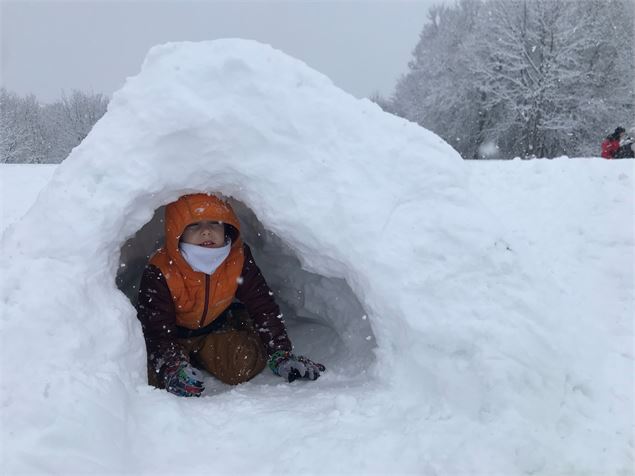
x: 474, y: 317
x: 574, y: 217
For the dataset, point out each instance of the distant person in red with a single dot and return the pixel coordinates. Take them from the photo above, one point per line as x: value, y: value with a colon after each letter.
x: 611, y: 144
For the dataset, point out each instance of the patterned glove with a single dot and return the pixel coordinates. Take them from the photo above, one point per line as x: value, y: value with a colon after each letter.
x: 292, y: 367
x: 183, y: 380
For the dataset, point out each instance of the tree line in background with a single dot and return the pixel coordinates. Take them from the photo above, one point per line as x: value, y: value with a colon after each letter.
x: 494, y: 78
x: 527, y: 78
x: 32, y: 133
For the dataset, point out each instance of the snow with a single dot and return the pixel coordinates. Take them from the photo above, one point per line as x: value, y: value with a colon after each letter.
x: 19, y: 185
x: 497, y: 296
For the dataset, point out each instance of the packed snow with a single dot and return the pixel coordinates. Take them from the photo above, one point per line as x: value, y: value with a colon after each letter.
x: 19, y: 185
x: 473, y: 317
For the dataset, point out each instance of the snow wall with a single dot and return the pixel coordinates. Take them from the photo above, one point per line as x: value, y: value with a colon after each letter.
x: 445, y: 360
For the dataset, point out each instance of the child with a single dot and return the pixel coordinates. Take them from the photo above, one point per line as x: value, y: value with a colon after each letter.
x: 627, y: 146
x: 187, y: 309
x: 611, y: 143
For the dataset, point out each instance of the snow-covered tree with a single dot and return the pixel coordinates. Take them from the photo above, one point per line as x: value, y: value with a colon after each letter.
x: 522, y: 77
x: 81, y: 111
x: 438, y: 92
x: 608, y: 89
x: 22, y: 130
x: 71, y: 119
x: 10, y: 129
x: 35, y: 133
x: 530, y: 61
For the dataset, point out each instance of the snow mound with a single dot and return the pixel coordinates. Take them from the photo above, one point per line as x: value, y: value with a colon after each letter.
x: 445, y: 358
x: 19, y: 185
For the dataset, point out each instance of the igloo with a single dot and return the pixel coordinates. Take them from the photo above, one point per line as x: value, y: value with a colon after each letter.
x: 389, y: 271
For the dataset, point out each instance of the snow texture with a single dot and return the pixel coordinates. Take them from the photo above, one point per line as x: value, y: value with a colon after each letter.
x: 474, y: 318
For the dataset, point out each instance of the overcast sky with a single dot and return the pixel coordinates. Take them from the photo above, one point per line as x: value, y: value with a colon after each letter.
x: 50, y: 46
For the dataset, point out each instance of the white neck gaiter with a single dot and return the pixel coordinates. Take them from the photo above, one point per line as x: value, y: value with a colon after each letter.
x: 204, y: 260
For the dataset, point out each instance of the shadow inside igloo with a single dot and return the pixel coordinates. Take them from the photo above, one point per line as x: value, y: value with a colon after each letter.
x: 324, y: 318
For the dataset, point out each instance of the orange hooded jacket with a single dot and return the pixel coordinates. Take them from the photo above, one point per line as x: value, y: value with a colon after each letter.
x: 199, y: 298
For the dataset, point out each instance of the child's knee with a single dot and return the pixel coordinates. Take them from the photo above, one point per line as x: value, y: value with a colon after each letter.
x: 233, y: 357
x: 248, y: 358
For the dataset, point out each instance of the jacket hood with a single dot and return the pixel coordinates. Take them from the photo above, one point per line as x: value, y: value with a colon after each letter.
x: 190, y: 209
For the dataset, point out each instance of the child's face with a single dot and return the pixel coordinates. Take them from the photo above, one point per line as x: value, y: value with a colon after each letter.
x: 209, y: 234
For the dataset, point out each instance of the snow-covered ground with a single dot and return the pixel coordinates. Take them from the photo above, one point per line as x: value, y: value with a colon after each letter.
x: 574, y: 217
x: 475, y: 318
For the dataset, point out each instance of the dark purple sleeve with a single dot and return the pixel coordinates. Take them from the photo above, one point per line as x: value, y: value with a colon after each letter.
x: 156, y: 312
x: 257, y: 297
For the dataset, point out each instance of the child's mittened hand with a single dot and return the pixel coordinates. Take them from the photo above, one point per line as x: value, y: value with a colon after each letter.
x: 291, y: 367
x: 183, y: 380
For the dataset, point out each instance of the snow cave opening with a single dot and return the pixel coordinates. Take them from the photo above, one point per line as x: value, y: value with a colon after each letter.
x: 325, y: 319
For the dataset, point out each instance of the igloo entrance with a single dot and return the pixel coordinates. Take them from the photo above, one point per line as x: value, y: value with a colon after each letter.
x: 324, y: 318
